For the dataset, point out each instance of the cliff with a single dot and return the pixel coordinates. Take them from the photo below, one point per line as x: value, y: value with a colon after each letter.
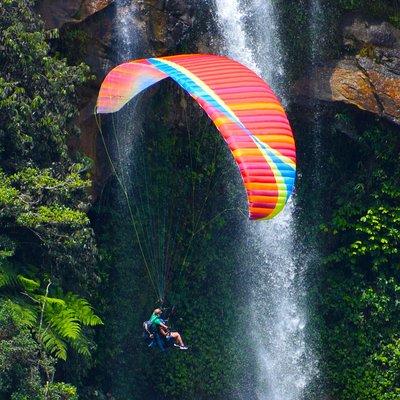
x: 368, y: 74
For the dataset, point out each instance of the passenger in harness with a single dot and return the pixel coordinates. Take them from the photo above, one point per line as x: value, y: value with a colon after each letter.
x: 157, y: 333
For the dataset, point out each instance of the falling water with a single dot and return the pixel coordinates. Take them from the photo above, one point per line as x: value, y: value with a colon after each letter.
x: 317, y: 48
x: 127, y: 122
x: 126, y: 33
x: 231, y: 19
x: 119, y: 133
x: 317, y: 27
x: 285, y: 364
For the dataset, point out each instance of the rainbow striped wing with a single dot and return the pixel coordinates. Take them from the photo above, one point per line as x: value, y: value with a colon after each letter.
x: 242, y: 106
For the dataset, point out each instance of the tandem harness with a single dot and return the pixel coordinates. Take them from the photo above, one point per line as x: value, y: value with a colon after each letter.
x: 157, y: 341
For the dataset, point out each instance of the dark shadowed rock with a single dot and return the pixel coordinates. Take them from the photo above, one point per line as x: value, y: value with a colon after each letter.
x: 56, y: 13
x: 359, y: 31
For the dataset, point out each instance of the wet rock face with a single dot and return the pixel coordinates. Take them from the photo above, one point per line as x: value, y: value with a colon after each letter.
x: 359, y: 31
x: 56, y: 13
x: 159, y: 27
x: 166, y: 22
x: 169, y: 24
x: 368, y: 76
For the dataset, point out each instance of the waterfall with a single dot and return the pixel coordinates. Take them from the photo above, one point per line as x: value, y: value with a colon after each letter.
x: 231, y: 19
x: 123, y: 123
x: 319, y: 40
x: 254, y: 44
x: 317, y: 48
x: 285, y: 364
x: 277, y: 310
x: 317, y: 27
x: 122, y: 131
x: 126, y: 33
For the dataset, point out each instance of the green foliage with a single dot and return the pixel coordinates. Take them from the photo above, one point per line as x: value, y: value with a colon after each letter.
x: 383, y: 9
x: 37, y: 91
x: 185, y: 183
x: 53, y: 215
x: 26, y: 372
x: 63, y: 320
x: 45, y: 233
x: 61, y: 391
x: 56, y: 321
x: 359, y: 300
x: 43, y: 187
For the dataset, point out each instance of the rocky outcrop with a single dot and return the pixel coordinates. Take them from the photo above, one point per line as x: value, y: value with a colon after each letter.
x: 167, y: 22
x: 56, y: 13
x: 368, y: 76
x: 102, y: 32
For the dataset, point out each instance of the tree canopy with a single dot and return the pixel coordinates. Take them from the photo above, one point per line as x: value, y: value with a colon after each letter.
x: 47, y: 248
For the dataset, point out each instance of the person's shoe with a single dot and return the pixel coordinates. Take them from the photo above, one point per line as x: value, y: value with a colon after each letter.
x: 183, y: 347
x: 177, y: 345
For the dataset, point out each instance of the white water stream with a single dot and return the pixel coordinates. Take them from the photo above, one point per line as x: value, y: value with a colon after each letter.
x: 126, y: 33
x: 285, y: 363
x: 127, y: 123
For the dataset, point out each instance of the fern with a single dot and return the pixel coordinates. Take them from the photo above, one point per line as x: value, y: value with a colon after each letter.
x: 64, y: 322
x: 23, y: 315
x: 8, y: 276
x: 83, y: 310
x: 64, y: 319
x: 54, y: 344
x: 50, y: 301
x: 28, y: 284
x: 82, y: 346
x: 57, y: 320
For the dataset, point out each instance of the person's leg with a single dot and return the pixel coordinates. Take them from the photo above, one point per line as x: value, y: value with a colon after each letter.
x: 177, y: 337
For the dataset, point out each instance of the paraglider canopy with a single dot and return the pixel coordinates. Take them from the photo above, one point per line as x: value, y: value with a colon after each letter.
x: 242, y: 106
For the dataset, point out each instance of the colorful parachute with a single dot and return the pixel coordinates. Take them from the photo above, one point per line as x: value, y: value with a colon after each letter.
x: 242, y: 106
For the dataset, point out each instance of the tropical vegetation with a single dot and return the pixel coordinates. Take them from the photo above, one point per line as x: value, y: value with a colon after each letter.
x: 74, y: 289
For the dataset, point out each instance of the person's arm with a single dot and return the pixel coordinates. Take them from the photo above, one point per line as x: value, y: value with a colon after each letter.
x: 147, y: 330
x: 161, y: 323
x: 163, y: 326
